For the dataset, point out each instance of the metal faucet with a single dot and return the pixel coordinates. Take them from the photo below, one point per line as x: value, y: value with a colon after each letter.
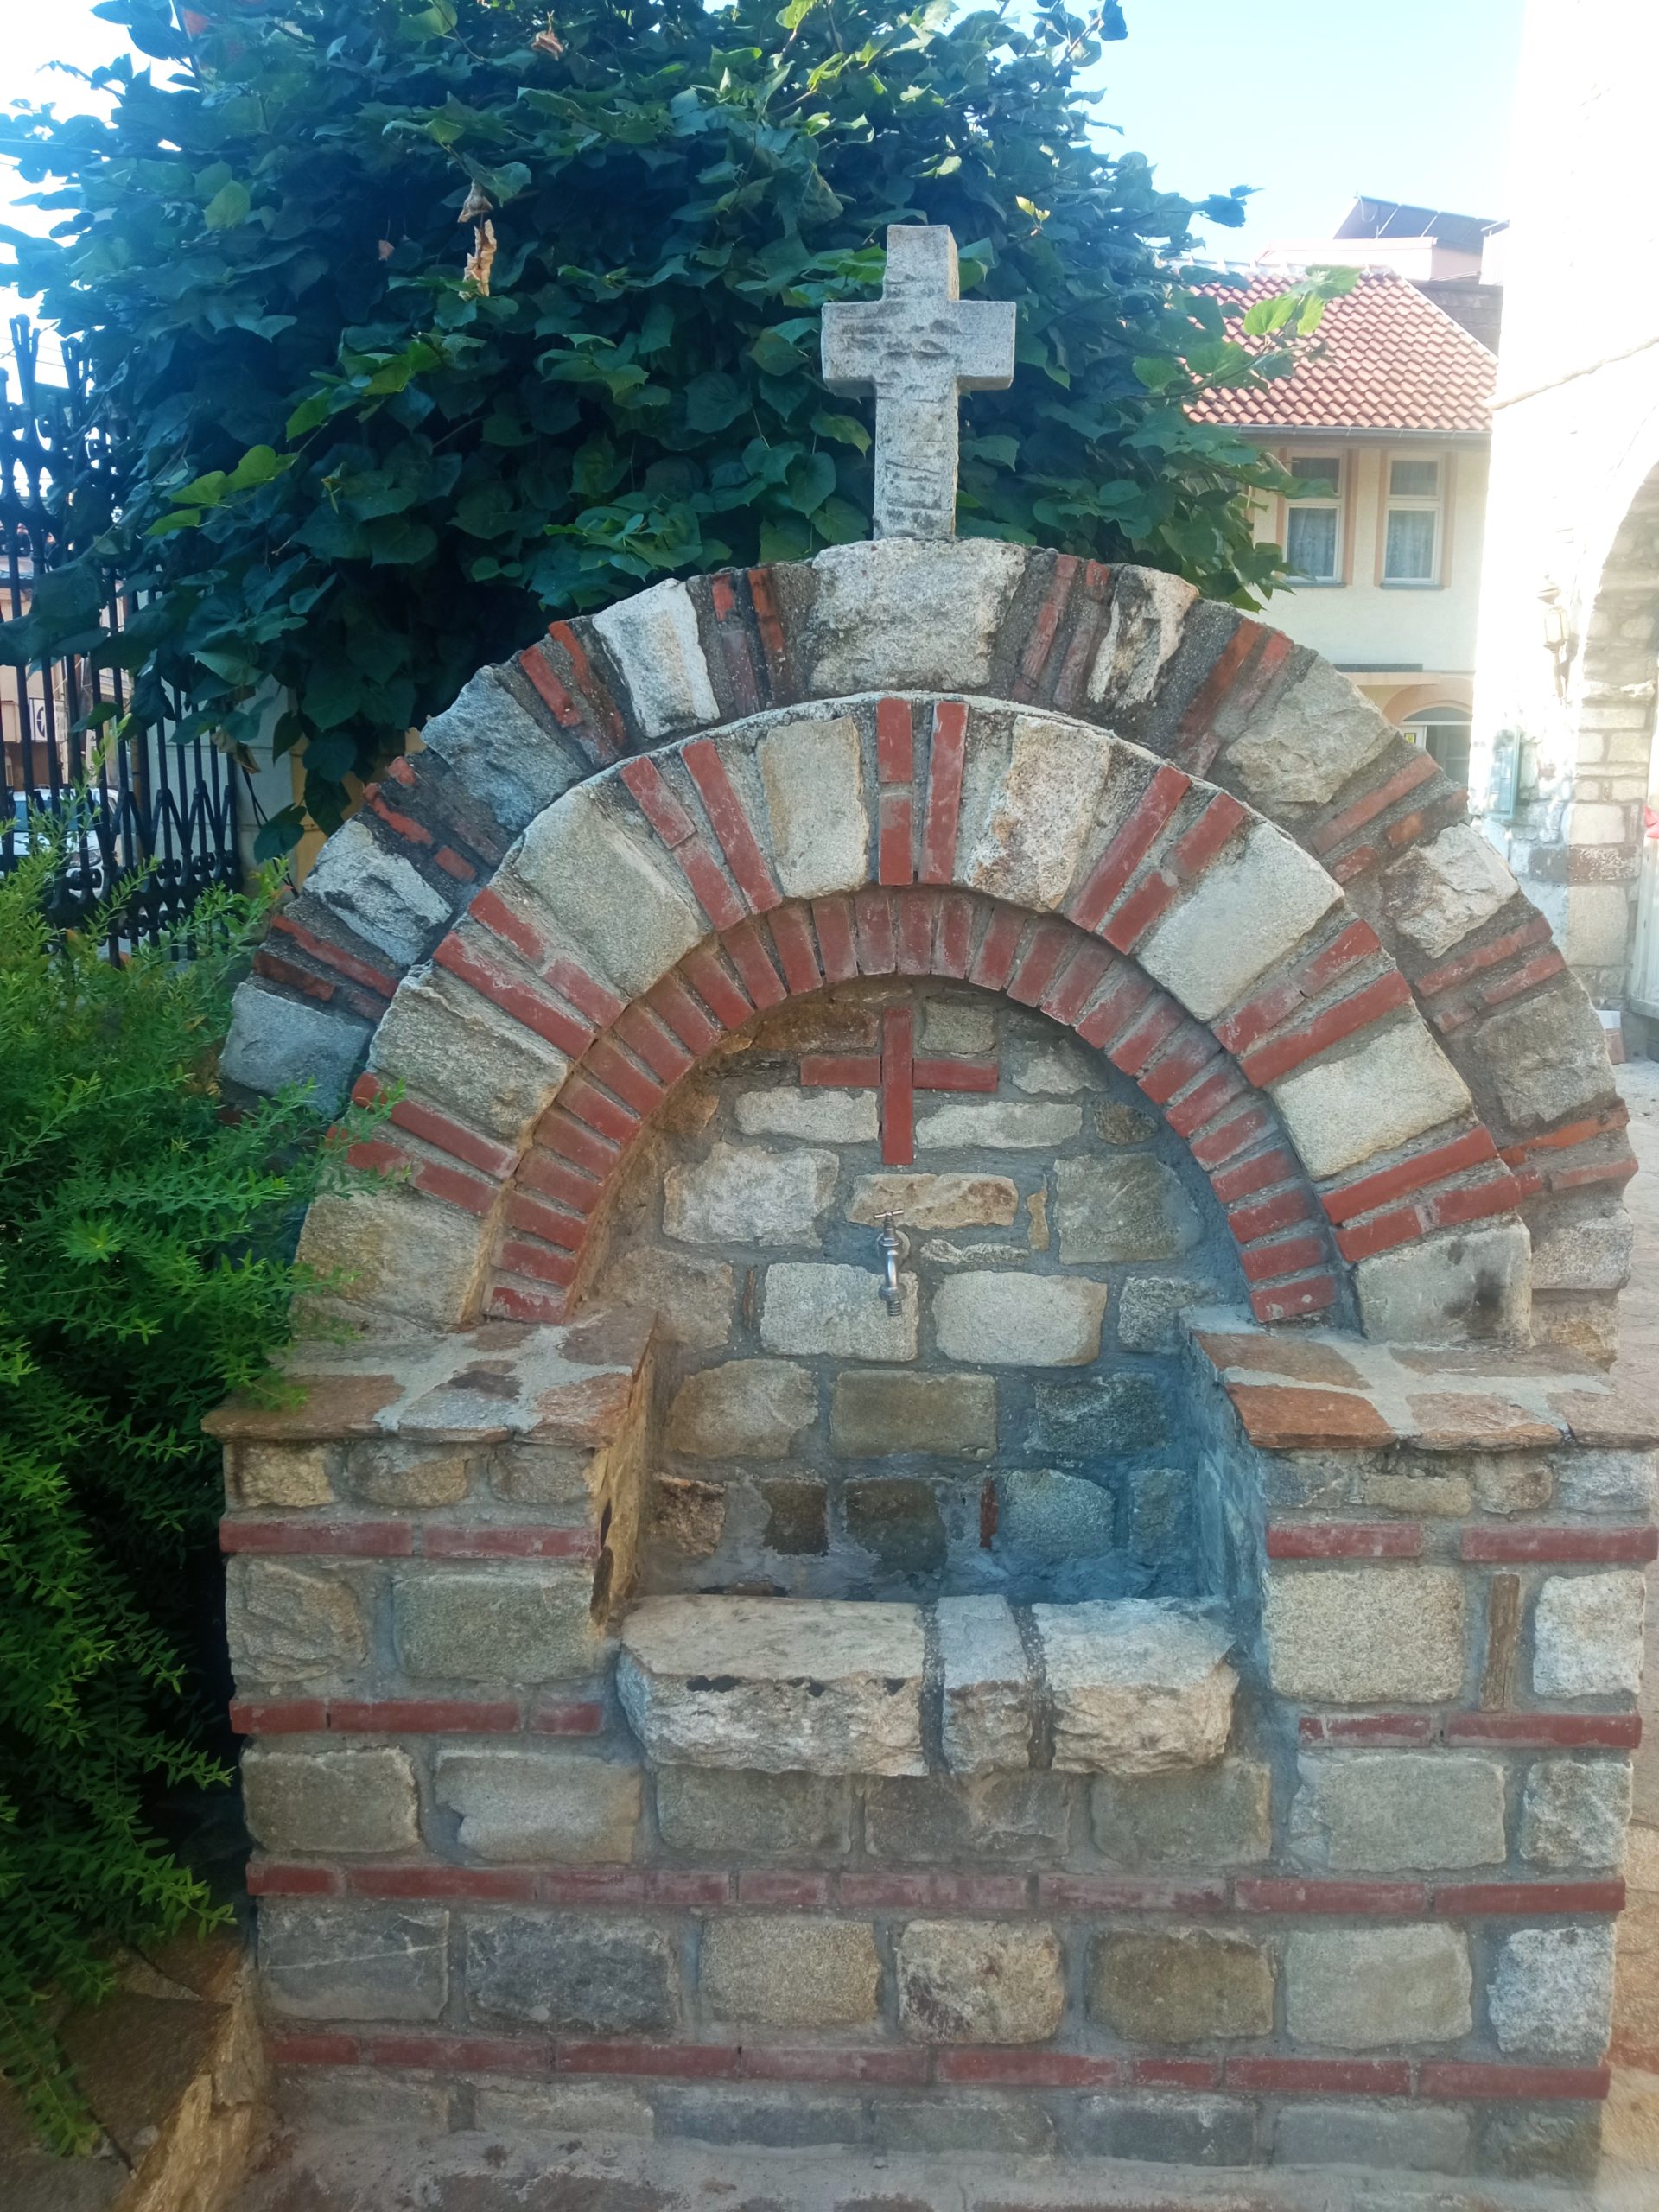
x: 890, y: 1246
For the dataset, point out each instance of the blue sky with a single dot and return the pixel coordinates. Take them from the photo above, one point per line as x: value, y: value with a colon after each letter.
x: 1312, y: 101
x: 1309, y: 100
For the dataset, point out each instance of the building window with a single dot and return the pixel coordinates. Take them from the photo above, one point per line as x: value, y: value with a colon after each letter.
x: 1443, y: 733
x: 1312, y: 523
x: 1411, y: 545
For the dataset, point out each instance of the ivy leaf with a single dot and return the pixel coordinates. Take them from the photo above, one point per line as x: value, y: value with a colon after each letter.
x: 846, y: 430
x: 1157, y: 373
x: 228, y: 207
x: 714, y: 401
x: 235, y: 667
x: 783, y: 537
x: 999, y: 452
x: 487, y: 510
x: 809, y: 482
x: 435, y: 19
x: 332, y: 695
x: 838, y: 522
x: 396, y: 542
x: 259, y: 465
x: 309, y: 416
x: 331, y: 757
x: 277, y: 835
x: 777, y: 355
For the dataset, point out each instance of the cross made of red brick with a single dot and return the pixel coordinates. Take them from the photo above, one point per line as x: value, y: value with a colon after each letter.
x: 897, y: 1073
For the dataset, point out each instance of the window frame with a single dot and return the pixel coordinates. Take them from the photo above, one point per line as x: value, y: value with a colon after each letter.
x: 1338, y: 469
x: 1443, y: 715
x: 1413, y: 502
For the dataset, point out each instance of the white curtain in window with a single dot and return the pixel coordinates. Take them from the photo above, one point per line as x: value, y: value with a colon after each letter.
x: 1409, y: 557
x: 1311, y: 542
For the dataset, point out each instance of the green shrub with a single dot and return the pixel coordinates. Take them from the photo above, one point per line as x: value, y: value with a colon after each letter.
x: 345, y: 467
x: 145, y: 1271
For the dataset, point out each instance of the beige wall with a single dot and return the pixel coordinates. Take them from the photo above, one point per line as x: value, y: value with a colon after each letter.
x: 1575, y: 442
x: 1366, y: 626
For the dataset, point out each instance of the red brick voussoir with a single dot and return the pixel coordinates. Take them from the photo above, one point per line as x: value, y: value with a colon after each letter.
x: 701, y: 810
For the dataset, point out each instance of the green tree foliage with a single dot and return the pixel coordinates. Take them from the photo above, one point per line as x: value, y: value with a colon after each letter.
x: 348, y: 465
x: 144, y: 1273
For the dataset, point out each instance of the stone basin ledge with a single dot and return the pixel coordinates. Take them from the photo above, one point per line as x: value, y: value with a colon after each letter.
x: 782, y: 1686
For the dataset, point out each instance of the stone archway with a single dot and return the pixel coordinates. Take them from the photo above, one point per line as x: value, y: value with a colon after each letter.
x: 672, y: 898
x: 1202, y: 689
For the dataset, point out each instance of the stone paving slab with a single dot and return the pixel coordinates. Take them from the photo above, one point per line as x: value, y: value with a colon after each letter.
x: 487, y: 2171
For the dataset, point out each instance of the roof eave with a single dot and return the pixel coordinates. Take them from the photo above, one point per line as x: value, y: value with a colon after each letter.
x: 1372, y: 433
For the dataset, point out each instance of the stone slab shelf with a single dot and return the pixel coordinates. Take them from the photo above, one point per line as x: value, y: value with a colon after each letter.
x: 1298, y: 1390
x: 824, y: 1686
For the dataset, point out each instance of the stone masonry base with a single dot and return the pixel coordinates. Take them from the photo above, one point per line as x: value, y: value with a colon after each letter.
x: 1372, y: 1927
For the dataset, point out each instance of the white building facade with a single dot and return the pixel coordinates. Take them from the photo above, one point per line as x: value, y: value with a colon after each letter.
x: 1569, y: 621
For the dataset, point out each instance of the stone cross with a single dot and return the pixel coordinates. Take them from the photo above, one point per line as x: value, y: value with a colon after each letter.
x: 897, y: 1073
x: 917, y: 347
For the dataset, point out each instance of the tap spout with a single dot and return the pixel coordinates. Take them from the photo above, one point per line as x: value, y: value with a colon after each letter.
x: 889, y: 1245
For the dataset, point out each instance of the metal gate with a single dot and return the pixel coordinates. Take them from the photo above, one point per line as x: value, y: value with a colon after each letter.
x: 139, y: 808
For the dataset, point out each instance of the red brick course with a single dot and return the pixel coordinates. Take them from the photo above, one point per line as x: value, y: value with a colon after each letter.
x: 1386, y: 1900
x: 412, y: 1716
x: 327, y: 954
x: 1388, y: 1730
x: 945, y: 758
x: 1606, y: 1732
x: 1455, y: 2079
x: 1290, y: 1047
x: 270, y: 1879
x: 1530, y: 1900
x: 1581, y: 1545
x: 1344, y: 1539
x: 999, y: 2067
x: 309, y: 1534
x: 1341, y: 2077
x: 971, y: 2066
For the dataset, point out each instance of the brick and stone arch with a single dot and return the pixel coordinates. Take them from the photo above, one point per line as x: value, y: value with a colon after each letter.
x: 1223, y: 706
x: 1301, y: 1847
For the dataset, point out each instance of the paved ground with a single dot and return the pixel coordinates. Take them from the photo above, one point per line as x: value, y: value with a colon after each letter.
x: 380, y: 2172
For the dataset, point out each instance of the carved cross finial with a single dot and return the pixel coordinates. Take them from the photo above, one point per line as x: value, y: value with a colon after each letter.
x: 917, y: 347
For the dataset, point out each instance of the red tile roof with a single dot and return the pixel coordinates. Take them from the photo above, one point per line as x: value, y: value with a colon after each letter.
x: 1385, y: 358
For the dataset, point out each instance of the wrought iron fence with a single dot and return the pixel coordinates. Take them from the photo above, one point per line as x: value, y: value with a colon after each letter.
x: 136, y: 807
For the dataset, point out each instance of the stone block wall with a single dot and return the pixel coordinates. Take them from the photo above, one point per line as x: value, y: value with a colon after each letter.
x: 1376, y: 1927
x: 1019, y: 1423
x: 922, y: 1799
